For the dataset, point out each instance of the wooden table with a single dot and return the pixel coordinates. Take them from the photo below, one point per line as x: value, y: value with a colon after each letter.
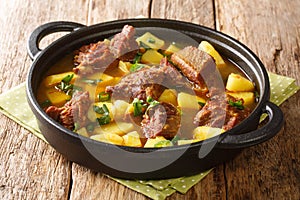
x: 31, y: 169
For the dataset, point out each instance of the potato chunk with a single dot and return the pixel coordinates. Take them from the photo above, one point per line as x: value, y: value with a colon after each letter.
x: 183, y: 142
x: 187, y: 101
x: 208, y: 48
x: 120, y: 108
x: 152, y: 141
x: 237, y: 83
x: 168, y: 96
x: 204, y: 132
x: 56, y: 97
x: 151, y: 41
x: 132, y: 139
x: 120, y: 128
x: 83, y: 132
x: 124, y: 67
x: 54, y: 79
x: 172, y: 49
x: 109, y: 138
x: 248, y: 97
x: 151, y: 57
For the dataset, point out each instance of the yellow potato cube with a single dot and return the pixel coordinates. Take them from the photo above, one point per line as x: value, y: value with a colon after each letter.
x: 172, y: 49
x: 237, y: 83
x: 204, y: 132
x: 113, y: 138
x: 152, y: 141
x: 83, y: 132
x: 168, y: 96
x: 105, y: 80
x: 99, y: 137
x: 132, y: 139
x: 109, y: 138
x: 187, y: 101
x: 208, y: 48
x: 248, y: 97
x: 182, y: 142
x: 120, y: 108
x: 53, y: 80
x: 119, y: 128
x: 151, y: 57
x: 56, y: 97
x: 124, y: 67
x: 151, y: 41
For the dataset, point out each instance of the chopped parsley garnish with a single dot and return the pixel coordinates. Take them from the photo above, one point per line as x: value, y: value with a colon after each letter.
x: 175, y: 139
x: 238, y: 104
x: 105, y: 118
x: 145, y: 46
x: 98, y: 109
x: 46, y: 103
x: 137, y: 58
x: 201, y: 103
x: 151, y: 40
x: 67, y: 79
x: 151, y: 102
x: 103, y: 96
x: 138, y: 107
x: 101, y: 110
x: 136, y: 66
x: 163, y: 143
x: 65, y: 85
x: 90, y: 127
x: 76, y: 126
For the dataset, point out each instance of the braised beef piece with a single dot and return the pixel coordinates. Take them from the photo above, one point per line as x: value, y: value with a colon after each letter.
x: 73, y: 111
x: 148, y: 82
x: 161, y: 120
x: 104, y: 54
x: 198, y: 66
x: 219, y: 113
x: 94, y: 57
x: 123, y: 45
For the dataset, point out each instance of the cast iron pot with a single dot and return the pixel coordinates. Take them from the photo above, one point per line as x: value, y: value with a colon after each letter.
x: 149, y: 163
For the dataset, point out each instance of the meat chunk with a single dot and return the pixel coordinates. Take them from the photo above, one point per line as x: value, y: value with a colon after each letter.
x: 195, y: 64
x: 94, y: 57
x: 135, y: 84
x: 123, y: 45
x: 161, y: 120
x: 74, y: 111
x: 219, y: 113
x: 105, y: 54
x: 148, y: 82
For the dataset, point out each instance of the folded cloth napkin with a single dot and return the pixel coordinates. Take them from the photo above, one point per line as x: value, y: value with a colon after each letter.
x: 14, y: 105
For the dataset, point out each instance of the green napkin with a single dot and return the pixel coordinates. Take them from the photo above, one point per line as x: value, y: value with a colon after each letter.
x: 14, y: 105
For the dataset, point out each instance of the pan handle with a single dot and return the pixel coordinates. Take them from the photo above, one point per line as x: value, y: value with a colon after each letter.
x: 267, y: 131
x: 40, y: 32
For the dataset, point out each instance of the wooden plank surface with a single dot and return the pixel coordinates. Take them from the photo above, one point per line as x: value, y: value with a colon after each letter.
x: 31, y: 169
x: 271, y: 30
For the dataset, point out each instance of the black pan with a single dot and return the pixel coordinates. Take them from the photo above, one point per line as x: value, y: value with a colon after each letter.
x: 149, y: 163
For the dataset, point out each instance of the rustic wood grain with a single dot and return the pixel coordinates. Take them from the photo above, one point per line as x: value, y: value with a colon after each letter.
x: 31, y: 169
x: 199, y: 12
x: 107, y: 10
x: 271, y: 30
